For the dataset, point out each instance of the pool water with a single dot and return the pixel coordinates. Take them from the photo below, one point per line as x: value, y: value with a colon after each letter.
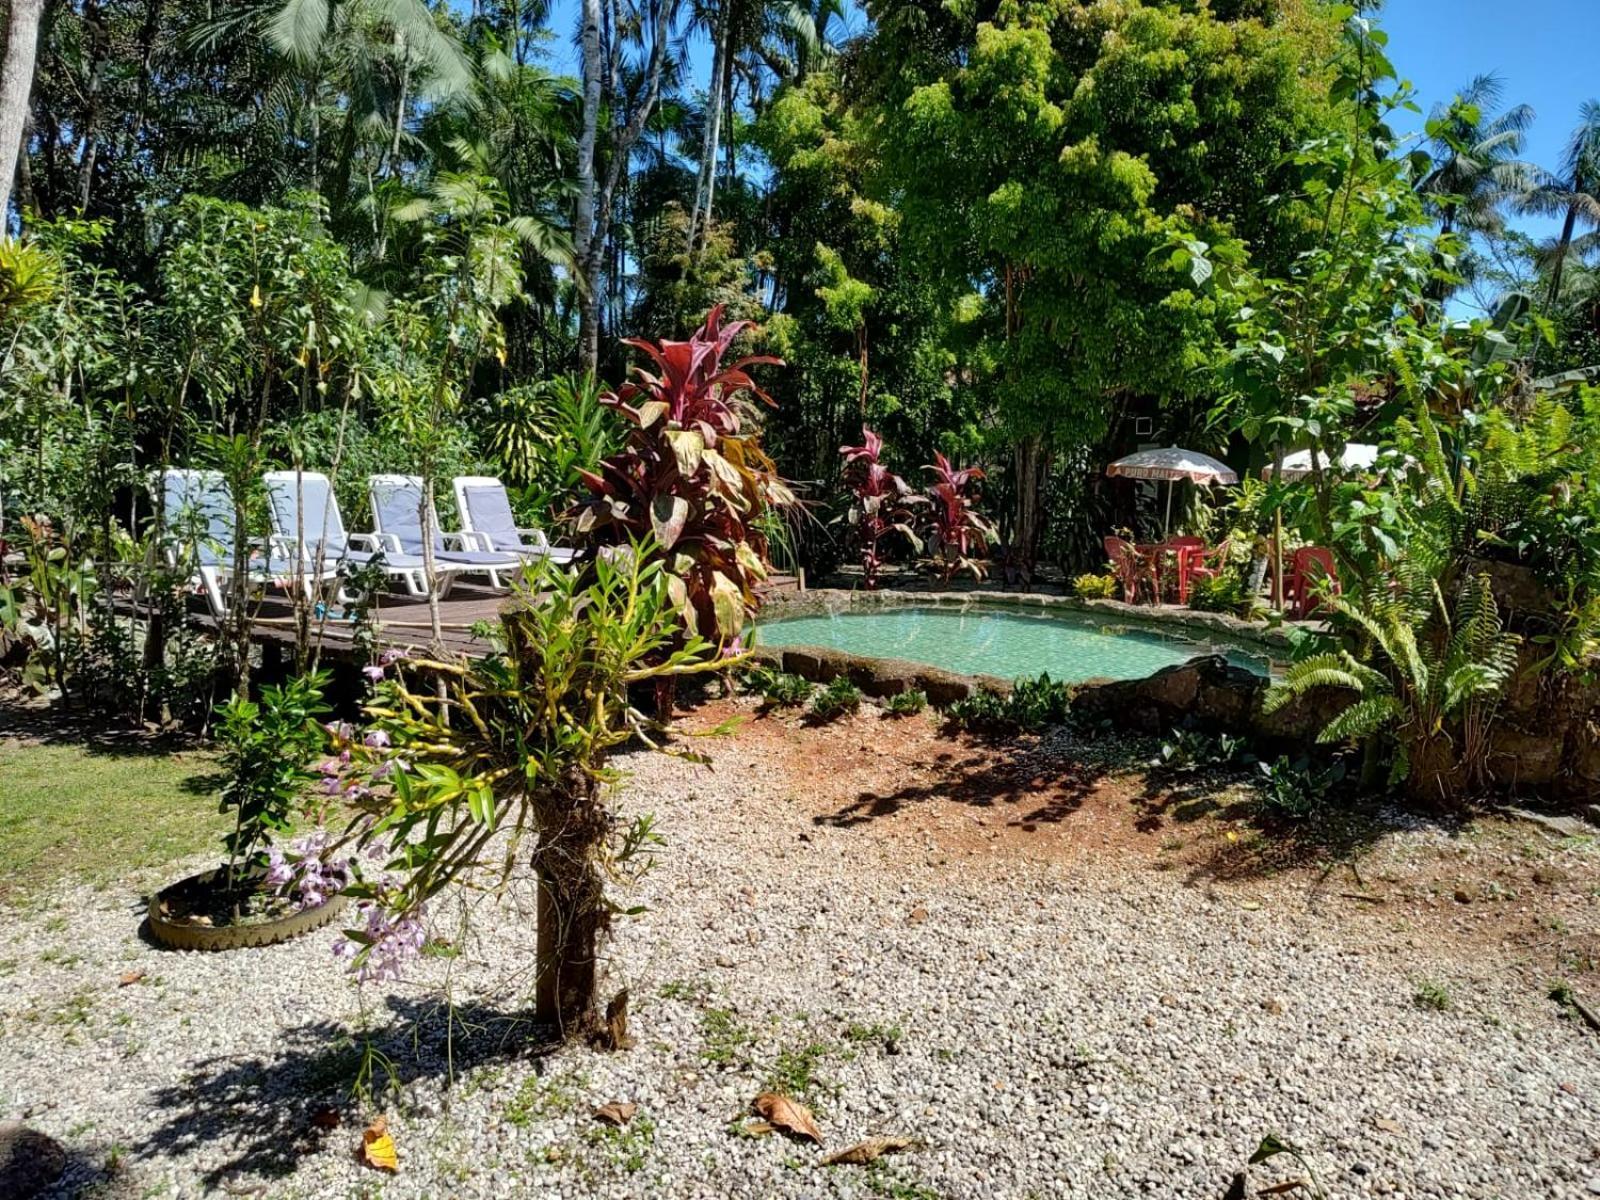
x: 1070, y: 647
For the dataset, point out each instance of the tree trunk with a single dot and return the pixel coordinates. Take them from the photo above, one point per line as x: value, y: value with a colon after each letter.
x: 585, y: 232
x: 572, y: 912
x: 16, y: 85
x: 1032, y: 460
x: 94, y: 23
x: 706, y: 184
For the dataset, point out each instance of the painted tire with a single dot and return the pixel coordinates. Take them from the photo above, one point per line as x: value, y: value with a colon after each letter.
x: 178, y: 935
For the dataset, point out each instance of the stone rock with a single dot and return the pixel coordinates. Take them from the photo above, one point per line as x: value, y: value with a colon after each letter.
x: 1520, y: 758
x: 30, y: 1161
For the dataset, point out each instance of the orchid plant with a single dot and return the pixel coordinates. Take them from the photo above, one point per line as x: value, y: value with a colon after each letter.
x: 500, y: 751
x: 959, y: 529
x: 882, y: 502
x: 692, y: 477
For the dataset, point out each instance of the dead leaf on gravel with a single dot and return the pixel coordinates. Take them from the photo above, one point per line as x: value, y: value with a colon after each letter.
x: 918, y: 916
x: 789, y: 1115
x: 1279, y: 1189
x: 617, y: 1112
x: 869, y: 1150
x: 1388, y: 1126
x: 129, y: 978
x: 377, y: 1147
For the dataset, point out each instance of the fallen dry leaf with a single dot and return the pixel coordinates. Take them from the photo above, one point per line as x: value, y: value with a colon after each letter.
x: 918, y: 916
x: 129, y: 978
x: 617, y: 1112
x: 869, y: 1150
x: 789, y: 1115
x: 377, y: 1147
x: 1388, y: 1126
x: 1279, y: 1189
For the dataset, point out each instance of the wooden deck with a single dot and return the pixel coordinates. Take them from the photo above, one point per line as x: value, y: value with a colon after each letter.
x: 401, y: 621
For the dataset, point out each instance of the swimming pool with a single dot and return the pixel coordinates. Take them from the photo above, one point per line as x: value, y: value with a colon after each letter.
x: 1069, y: 646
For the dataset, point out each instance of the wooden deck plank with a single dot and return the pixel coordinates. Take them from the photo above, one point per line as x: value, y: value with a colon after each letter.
x: 402, y: 622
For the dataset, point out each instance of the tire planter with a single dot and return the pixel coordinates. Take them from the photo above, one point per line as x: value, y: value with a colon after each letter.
x: 181, y: 935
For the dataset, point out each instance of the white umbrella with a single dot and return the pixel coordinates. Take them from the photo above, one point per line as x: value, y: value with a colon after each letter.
x: 1357, y: 457
x: 1172, y: 463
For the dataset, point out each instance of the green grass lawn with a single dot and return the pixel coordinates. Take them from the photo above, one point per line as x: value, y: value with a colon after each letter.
x: 92, y: 812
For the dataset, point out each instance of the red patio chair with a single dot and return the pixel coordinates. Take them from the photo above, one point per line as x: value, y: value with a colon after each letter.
x: 1312, y: 573
x: 1131, y: 567
x: 1201, y: 563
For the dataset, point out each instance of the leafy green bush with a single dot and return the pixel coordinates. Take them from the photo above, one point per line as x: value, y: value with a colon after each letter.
x: 267, y: 748
x: 839, y: 697
x: 1191, y: 748
x: 1094, y: 587
x: 906, y: 704
x: 1032, y: 705
x: 1297, y: 788
x: 1225, y: 593
x: 779, y: 688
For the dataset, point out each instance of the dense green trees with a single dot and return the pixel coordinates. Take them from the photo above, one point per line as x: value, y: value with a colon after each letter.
x: 1001, y: 232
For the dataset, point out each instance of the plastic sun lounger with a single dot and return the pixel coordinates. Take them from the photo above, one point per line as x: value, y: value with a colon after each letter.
x: 397, y: 512
x: 199, y: 517
x: 305, y: 513
x: 486, y: 510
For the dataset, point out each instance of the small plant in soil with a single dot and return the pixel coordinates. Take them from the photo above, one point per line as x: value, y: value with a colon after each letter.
x: 267, y: 747
x: 1432, y: 995
x: 1297, y: 788
x: 839, y: 697
x: 1033, y: 705
x: 906, y: 704
x: 779, y: 688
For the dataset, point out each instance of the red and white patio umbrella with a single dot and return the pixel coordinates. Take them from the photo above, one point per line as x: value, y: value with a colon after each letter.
x: 1172, y: 463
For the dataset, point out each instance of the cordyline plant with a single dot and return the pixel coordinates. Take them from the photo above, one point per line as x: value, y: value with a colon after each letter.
x: 882, y: 502
x: 958, y: 527
x: 452, y: 784
x: 691, y: 478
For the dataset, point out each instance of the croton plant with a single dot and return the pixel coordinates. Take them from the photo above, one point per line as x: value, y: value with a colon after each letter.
x: 692, y: 476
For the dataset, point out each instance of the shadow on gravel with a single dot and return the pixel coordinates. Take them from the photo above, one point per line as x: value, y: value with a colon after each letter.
x: 1027, y: 781
x: 265, y: 1114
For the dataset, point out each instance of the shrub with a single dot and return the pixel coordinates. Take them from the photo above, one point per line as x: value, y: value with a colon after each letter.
x: 1095, y: 587
x: 779, y: 688
x: 1225, y: 593
x: 1190, y: 748
x: 690, y: 478
x: 839, y: 697
x: 882, y: 502
x: 1295, y: 787
x: 267, y: 748
x: 906, y: 704
x: 1033, y: 704
x: 957, y: 525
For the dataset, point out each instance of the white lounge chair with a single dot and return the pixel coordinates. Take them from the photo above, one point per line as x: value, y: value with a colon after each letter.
x: 397, y: 512
x: 305, y: 513
x: 198, y: 534
x: 486, y: 510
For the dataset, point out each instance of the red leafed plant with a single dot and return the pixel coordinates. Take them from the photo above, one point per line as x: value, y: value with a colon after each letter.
x: 883, y: 502
x: 689, y: 477
x: 958, y: 528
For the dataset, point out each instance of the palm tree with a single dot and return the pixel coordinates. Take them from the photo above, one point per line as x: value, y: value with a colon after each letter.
x: 1476, y: 167
x: 1574, y: 195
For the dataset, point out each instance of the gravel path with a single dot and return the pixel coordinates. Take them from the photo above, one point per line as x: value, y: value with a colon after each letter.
x: 1045, y: 1027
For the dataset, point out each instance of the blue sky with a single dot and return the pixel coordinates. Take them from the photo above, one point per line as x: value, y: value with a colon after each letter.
x: 1546, y: 51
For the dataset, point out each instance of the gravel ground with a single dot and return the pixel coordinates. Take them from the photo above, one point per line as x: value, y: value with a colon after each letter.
x: 1050, y: 1026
